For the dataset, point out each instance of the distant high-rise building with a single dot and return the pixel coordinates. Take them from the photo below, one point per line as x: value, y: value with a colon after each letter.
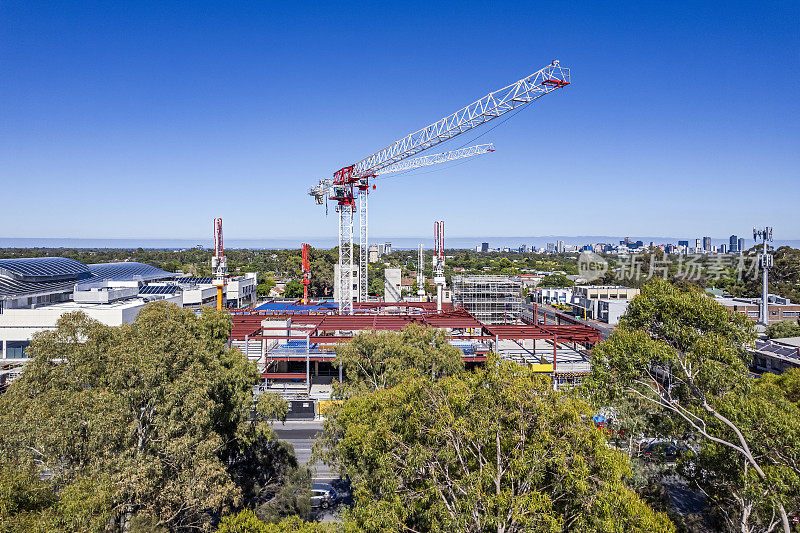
x: 685, y: 244
x: 560, y: 247
x: 387, y: 247
x: 722, y: 248
x: 707, y: 244
x: 698, y: 243
x: 551, y: 247
x: 741, y: 245
x: 733, y: 244
x: 484, y: 247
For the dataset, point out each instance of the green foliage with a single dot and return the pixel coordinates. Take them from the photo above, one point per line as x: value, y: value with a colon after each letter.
x: 264, y: 286
x: 381, y: 359
x: 146, y: 424
x: 247, y: 522
x: 293, y: 289
x: 784, y: 328
x: 678, y: 360
x: 556, y: 280
x: 490, y: 450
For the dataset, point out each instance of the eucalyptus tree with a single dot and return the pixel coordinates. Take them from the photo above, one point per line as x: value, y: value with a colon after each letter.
x: 683, y: 357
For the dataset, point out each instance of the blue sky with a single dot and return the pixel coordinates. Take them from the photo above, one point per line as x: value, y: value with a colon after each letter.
x: 123, y: 119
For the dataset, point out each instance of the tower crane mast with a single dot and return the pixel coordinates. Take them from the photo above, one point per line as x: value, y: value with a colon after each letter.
x: 219, y: 264
x: 353, y: 181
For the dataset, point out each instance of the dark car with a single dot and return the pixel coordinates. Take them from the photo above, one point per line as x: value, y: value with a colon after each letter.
x: 323, y: 495
x: 664, y: 451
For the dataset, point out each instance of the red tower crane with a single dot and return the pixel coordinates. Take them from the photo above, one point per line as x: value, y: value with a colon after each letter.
x: 352, y: 181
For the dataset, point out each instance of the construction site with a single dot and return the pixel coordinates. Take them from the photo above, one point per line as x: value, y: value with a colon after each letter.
x: 294, y: 342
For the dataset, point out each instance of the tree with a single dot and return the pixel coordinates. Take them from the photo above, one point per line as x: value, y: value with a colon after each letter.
x: 681, y: 354
x: 294, y: 289
x: 782, y: 329
x: 247, y: 522
x: 556, y: 280
x: 147, y: 425
x: 381, y: 359
x: 264, y: 286
x: 496, y: 449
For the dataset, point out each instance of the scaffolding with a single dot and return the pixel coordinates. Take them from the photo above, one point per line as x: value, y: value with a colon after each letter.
x: 490, y: 299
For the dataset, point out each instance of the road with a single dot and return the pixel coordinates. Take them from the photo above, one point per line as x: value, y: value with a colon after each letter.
x: 549, y: 312
x: 301, y: 435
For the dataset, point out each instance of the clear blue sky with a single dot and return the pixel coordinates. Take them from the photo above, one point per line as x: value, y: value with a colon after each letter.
x: 122, y: 119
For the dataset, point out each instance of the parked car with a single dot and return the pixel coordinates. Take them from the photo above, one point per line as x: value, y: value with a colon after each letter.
x: 323, y: 495
x: 663, y: 451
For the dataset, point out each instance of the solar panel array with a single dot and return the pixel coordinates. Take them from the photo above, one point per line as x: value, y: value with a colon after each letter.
x: 159, y: 289
x: 17, y: 288
x: 43, y: 268
x: 195, y: 281
x: 128, y: 271
x: 777, y: 349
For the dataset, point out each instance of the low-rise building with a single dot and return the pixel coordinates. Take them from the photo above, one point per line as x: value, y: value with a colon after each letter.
x: 776, y: 355
x: 586, y: 301
x: 778, y: 308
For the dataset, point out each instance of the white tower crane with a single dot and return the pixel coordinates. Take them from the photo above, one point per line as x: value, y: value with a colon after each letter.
x: 353, y: 180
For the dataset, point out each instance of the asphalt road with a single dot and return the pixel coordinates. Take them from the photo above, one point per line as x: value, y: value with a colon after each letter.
x: 301, y: 435
x: 605, y: 329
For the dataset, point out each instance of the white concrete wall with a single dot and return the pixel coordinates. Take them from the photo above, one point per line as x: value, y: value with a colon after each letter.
x: 391, y: 284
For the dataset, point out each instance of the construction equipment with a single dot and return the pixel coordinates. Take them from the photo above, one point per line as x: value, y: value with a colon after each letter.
x: 306, y: 274
x: 421, y: 275
x: 438, y: 261
x: 353, y: 180
x: 219, y: 264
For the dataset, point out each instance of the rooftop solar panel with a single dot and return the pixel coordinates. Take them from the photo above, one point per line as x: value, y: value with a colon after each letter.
x: 159, y: 289
x: 34, y: 268
x: 128, y: 271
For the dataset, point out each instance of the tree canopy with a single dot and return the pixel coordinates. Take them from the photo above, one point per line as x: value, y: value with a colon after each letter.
x: 556, y: 280
x: 146, y: 426
x: 490, y: 450
x: 380, y: 359
x: 680, y: 356
x: 782, y: 329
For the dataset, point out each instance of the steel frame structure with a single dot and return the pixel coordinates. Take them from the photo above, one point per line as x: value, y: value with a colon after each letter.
x: 435, y: 159
x: 353, y: 180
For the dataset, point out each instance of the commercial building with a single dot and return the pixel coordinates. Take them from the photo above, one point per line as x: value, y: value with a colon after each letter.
x: 374, y: 253
x: 552, y: 295
x: 490, y: 299
x: 742, y: 245
x: 484, y: 247
x: 778, y: 308
x: 36, y: 292
x: 707, y: 244
x: 586, y: 301
x: 733, y: 244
